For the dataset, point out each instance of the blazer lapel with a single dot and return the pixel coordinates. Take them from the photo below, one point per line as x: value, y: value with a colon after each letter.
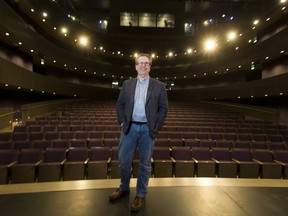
x: 133, y: 87
x: 149, y: 91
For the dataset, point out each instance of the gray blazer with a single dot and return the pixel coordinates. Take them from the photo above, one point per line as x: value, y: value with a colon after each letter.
x: 156, y: 105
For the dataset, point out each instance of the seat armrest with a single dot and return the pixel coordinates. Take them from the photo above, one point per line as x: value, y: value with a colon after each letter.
x: 279, y: 162
x: 173, y: 160
x: 62, y: 162
x: 237, y: 161
x: 257, y: 161
x: 11, y: 164
x: 215, y: 160
x: 195, y: 160
x: 38, y: 162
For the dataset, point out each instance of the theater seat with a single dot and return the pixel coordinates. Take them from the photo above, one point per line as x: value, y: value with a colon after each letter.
x: 205, y: 166
x: 226, y: 167
x: 50, y: 168
x: 281, y: 157
x: 268, y: 167
x: 8, y: 157
x: 183, y: 163
x: 24, y: 171
x: 162, y: 162
x: 74, y: 166
x: 247, y: 168
x: 99, y: 159
x: 114, y: 164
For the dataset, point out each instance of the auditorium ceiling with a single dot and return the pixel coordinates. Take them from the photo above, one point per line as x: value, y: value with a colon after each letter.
x: 108, y: 46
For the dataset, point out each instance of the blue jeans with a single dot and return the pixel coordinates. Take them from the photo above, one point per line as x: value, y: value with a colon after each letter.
x: 137, y: 139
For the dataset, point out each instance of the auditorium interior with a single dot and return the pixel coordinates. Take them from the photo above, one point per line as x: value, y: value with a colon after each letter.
x: 223, y: 148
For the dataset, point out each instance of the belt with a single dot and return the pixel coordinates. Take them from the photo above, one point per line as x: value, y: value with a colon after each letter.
x: 138, y: 123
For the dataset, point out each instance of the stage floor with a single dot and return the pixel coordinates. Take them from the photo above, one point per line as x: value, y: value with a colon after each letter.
x: 167, y: 196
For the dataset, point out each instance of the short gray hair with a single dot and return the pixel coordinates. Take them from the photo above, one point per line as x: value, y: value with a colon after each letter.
x: 143, y: 54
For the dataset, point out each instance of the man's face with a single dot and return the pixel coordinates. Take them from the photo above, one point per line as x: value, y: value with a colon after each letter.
x: 143, y: 67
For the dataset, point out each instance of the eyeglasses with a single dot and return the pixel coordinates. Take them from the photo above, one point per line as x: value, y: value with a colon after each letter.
x: 143, y: 63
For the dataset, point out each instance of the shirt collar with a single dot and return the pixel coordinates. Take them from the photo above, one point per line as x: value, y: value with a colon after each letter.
x: 143, y: 80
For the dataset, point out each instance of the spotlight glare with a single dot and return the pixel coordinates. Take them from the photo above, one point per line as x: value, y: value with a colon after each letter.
x: 210, y: 45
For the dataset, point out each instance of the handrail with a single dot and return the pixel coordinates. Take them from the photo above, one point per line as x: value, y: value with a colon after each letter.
x: 33, y: 110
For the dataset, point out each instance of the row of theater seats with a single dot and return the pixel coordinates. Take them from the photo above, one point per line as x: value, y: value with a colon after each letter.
x: 57, y: 142
x: 166, y: 129
x: 220, y: 162
x: 59, y: 164
x: 51, y: 135
x: 174, y: 123
x: 195, y: 130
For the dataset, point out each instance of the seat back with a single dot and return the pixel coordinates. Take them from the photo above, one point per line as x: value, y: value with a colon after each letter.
x: 181, y: 153
x: 6, y: 136
x: 161, y: 153
x: 263, y: 155
x: 114, y: 153
x: 54, y: 155
x: 221, y: 154
x: 201, y: 153
x: 281, y: 155
x: 99, y: 153
x: 8, y: 156
x: 241, y: 154
x: 30, y: 155
x: 61, y: 144
x: 77, y: 154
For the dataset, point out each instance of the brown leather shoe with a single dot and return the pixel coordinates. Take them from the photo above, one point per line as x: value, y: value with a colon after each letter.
x: 118, y: 194
x: 138, y: 204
